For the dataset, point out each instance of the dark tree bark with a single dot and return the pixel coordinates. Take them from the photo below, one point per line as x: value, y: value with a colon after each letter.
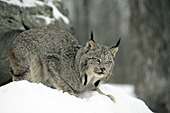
x: 150, y: 29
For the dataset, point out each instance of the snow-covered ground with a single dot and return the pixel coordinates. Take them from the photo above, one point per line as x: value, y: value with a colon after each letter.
x: 26, y: 97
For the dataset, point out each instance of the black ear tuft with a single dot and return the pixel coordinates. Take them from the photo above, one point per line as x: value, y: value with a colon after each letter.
x: 114, y: 49
x: 92, y: 36
x: 91, y: 44
x: 118, y: 43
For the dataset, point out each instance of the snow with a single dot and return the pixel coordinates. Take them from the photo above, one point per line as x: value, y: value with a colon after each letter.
x: 32, y: 3
x: 47, y: 19
x: 127, y: 88
x: 24, y: 3
x: 57, y: 14
x: 26, y: 97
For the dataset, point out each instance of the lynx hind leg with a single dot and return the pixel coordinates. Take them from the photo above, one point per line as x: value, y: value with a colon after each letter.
x: 52, y: 68
x: 18, y: 63
x: 31, y: 73
x: 24, y: 66
x: 35, y: 74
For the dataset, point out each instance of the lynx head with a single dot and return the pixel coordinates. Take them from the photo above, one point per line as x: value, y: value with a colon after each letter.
x: 96, y: 62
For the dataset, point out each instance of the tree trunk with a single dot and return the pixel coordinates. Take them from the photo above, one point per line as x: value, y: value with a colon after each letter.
x: 150, y: 30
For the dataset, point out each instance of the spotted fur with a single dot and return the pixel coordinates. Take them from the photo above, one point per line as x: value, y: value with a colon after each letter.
x: 52, y: 56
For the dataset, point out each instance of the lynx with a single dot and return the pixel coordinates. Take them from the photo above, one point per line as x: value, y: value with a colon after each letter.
x: 53, y: 57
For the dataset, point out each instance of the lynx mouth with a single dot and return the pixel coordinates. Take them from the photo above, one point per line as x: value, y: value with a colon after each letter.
x: 99, y: 73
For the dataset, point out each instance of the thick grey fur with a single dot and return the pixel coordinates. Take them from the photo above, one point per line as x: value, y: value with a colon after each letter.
x: 52, y: 56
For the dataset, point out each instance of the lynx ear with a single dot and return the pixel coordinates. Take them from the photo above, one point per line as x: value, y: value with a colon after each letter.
x: 114, y: 49
x: 90, y: 44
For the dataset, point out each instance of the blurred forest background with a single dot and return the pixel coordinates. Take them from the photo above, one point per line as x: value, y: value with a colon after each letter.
x: 143, y: 26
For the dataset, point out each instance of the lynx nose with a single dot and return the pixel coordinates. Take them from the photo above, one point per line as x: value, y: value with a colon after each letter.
x: 102, y: 69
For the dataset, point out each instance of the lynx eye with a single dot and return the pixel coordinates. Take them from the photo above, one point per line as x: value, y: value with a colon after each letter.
x: 109, y: 62
x: 96, y: 60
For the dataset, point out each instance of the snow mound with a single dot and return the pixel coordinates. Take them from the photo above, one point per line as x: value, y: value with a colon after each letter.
x: 26, y: 97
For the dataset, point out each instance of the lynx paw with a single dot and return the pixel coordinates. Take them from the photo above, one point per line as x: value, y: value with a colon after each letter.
x: 112, y: 98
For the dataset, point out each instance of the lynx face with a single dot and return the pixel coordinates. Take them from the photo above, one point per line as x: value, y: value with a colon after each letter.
x: 97, y: 62
x: 100, y: 62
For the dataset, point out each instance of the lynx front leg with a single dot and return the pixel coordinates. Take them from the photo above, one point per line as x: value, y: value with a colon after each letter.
x: 62, y: 85
x: 53, y: 68
x: 110, y: 96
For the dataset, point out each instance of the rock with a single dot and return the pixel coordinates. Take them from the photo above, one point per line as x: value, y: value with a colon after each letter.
x: 6, y: 38
x: 10, y: 17
x: 61, y: 8
x: 17, y: 16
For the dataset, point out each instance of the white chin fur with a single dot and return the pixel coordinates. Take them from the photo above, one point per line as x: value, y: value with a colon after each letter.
x: 92, y: 77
